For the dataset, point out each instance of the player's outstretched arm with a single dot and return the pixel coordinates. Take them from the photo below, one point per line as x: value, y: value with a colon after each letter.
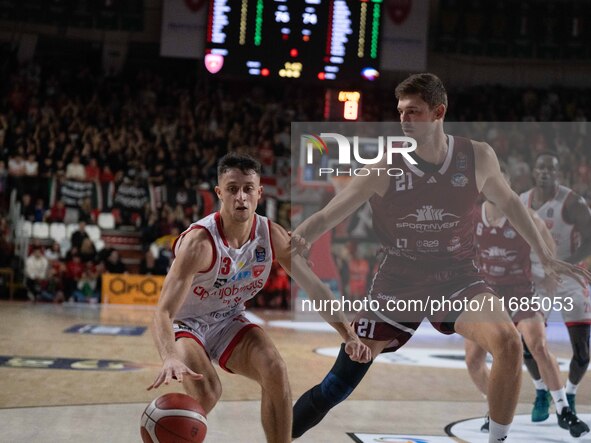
x: 495, y: 188
x: 194, y: 254
x: 299, y: 270
x: 550, y: 285
x: 543, y: 230
x: 342, y: 205
x: 579, y: 214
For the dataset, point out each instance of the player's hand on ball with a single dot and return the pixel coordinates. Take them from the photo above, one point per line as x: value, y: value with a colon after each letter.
x: 173, y: 369
x: 357, y: 351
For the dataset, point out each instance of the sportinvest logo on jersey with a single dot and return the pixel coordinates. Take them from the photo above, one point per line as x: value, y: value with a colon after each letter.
x: 324, y: 151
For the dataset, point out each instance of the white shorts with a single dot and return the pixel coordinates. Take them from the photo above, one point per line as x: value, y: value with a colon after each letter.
x: 577, y: 312
x: 217, y: 339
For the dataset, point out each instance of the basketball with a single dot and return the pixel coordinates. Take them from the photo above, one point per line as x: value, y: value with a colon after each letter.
x: 173, y: 418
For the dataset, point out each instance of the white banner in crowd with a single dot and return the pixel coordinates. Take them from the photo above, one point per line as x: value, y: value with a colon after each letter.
x: 404, y: 38
x: 183, y: 28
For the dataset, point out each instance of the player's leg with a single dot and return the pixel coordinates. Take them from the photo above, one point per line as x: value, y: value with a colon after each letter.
x: 541, y: 409
x: 492, y: 329
x: 208, y: 390
x: 476, y: 364
x: 479, y: 373
x: 256, y: 357
x: 339, y: 383
x: 534, y: 334
x: 346, y: 374
x: 576, y: 313
x: 579, y: 339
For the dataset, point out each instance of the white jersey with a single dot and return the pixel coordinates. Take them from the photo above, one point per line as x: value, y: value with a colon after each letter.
x: 234, y: 276
x: 564, y: 234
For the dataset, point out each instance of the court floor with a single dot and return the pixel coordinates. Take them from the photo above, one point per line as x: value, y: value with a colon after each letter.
x: 79, y: 374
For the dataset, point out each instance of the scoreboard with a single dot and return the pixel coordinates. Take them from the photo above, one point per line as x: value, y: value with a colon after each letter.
x: 297, y: 39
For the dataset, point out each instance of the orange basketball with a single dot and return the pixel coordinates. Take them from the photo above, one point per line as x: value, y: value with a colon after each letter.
x: 173, y: 418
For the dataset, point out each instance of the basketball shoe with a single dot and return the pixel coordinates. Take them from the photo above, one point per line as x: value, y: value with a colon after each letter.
x: 572, y: 402
x: 568, y: 420
x: 540, y: 411
x: 485, y: 426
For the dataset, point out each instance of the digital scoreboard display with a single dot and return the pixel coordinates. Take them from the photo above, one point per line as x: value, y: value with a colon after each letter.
x: 298, y: 39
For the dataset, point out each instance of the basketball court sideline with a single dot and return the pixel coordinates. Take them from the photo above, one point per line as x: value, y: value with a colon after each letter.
x: 79, y: 373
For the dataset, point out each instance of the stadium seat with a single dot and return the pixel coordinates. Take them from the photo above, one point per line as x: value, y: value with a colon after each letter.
x: 26, y: 228
x: 106, y: 220
x: 99, y: 245
x: 70, y: 228
x: 94, y: 232
x: 57, y: 231
x: 40, y: 230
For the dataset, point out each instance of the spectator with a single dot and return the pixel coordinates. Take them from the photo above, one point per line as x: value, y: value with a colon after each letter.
x: 75, y: 170
x: 87, y: 287
x: 74, y: 270
x: 36, y: 267
x: 113, y: 263
x: 53, y: 253
x: 93, y: 172
x: 57, y: 213
x: 6, y: 247
x: 16, y: 165
x: 86, y: 212
x: 39, y: 210
x: 31, y: 166
x: 3, y: 183
x: 27, y: 208
x: 79, y: 235
x: 87, y: 251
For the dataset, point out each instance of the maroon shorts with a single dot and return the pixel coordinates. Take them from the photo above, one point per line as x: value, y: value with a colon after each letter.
x: 398, y: 325
x: 516, y: 300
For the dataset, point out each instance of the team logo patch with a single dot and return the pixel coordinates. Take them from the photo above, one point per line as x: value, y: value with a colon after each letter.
x: 510, y: 233
x: 461, y: 161
x: 550, y: 213
x: 260, y: 254
x: 258, y: 270
x: 459, y: 180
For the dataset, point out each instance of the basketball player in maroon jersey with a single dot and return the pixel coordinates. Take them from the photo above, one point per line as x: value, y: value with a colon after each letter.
x: 568, y: 218
x: 504, y: 259
x: 425, y: 221
x: 221, y: 262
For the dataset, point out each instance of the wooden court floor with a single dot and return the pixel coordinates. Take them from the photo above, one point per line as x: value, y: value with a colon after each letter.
x: 98, y: 391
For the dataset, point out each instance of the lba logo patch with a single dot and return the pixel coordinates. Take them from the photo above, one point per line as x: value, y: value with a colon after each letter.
x: 260, y: 254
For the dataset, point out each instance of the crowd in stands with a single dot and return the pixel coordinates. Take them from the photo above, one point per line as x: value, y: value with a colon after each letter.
x: 144, y: 147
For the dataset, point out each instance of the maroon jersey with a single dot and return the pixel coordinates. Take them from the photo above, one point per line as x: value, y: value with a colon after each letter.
x: 425, y: 220
x: 503, y: 254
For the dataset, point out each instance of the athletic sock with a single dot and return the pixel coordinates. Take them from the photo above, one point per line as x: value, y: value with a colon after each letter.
x: 539, y: 384
x: 560, y: 401
x: 570, y: 388
x: 497, y: 432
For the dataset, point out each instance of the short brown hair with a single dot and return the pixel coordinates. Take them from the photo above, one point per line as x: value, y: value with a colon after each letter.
x: 245, y: 163
x: 428, y: 86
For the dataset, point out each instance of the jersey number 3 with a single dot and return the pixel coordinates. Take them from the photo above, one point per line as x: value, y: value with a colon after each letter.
x: 225, y: 268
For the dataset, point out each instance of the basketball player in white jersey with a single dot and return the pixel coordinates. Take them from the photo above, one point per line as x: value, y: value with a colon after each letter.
x: 221, y: 262
x: 568, y: 218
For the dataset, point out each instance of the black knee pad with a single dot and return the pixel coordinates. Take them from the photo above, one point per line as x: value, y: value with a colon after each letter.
x: 338, y: 384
